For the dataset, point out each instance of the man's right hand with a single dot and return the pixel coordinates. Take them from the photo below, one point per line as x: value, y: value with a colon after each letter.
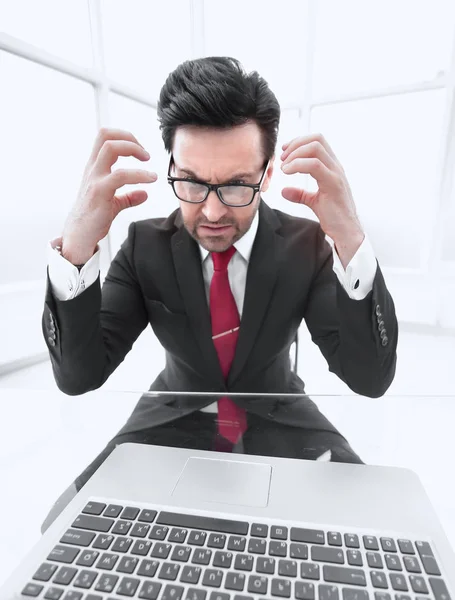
x: 97, y: 205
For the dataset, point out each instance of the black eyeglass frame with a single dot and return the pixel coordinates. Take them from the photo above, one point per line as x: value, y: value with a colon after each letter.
x: 216, y: 186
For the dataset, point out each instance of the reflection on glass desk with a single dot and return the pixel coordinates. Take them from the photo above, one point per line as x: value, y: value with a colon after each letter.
x: 52, y: 443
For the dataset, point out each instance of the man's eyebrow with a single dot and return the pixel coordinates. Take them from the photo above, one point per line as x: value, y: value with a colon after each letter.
x: 234, y: 177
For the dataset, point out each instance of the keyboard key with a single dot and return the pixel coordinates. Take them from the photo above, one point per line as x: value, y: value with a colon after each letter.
x: 309, y: 571
x: 213, y: 578
x: 190, y: 574
x: 412, y: 564
x: 169, y: 571
x: 279, y: 533
x: 147, y: 516
x: 398, y: 582
x: 299, y: 551
x: 393, y: 562
x: 235, y: 581
x: 122, y: 527
x: 334, y: 538
x: 94, y: 508
x: 382, y: 596
x: 181, y: 553
x: 379, y: 579
x: 370, y: 542
x: 342, y: 575
x: 244, y: 562
x: 287, y: 568
x: 103, y: 542
x: 388, y: 545
x: 328, y: 592
x: 238, y: 597
x: 140, y: 530
x: 304, y: 591
x: 265, y: 565
x: 127, y: 587
x: 406, y: 546
x: 197, y: 538
x: 63, y: 554
x: 375, y: 560
x: 258, y: 546
x: 418, y: 584
x: 237, y: 543
x: 257, y: 584
x: 107, y: 561
x: 160, y: 550
x: 430, y: 565
x: 172, y: 592
x: 87, y: 558
x: 351, y: 540
x: 325, y: 554
x: 222, y: 559
x: 278, y: 549
x: 195, y: 594
x: 32, y: 589
x: 311, y: 536
x: 45, y: 572
x: 141, y: 548
x: 129, y: 513
x: 206, y: 523
x: 201, y: 556
x: 106, y: 583
x: 54, y: 593
x: 93, y: 523
x: 122, y: 544
x: 65, y: 575
x: 424, y: 549
x: 150, y: 590
x: 148, y: 568
x: 93, y: 597
x: 127, y: 564
x: 259, y: 530
x: 351, y: 594
x: 403, y: 597
x: 281, y: 588
x: 216, y: 540
x: 113, y: 511
x: 78, y: 538
x: 85, y: 579
x: 219, y: 596
x: 158, y: 533
x: 354, y: 558
x: 178, y: 535
x: 439, y: 588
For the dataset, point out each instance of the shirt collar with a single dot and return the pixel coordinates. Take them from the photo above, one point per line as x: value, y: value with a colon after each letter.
x: 244, y: 245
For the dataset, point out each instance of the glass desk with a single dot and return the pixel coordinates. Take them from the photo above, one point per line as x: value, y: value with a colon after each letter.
x: 48, y: 439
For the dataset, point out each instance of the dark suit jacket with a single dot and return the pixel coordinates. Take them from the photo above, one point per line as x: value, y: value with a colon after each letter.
x: 156, y: 277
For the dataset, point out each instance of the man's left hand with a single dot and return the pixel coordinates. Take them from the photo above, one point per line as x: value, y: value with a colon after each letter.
x: 333, y: 203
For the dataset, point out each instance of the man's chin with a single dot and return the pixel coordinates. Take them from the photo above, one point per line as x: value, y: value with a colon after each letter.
x: 214, y: 242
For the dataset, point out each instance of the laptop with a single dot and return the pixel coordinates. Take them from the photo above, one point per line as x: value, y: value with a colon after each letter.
x: 160, y: 523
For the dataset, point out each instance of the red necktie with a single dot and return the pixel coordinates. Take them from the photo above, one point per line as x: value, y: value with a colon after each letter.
x: 225, y: 317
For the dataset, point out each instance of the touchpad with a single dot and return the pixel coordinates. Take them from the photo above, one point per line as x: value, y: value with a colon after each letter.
x: 224, y: 481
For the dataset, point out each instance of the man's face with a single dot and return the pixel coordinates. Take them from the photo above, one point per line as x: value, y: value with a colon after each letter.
x: 219, y: 156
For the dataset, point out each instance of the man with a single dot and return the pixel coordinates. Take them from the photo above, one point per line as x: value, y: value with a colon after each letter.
x: 224, y: 281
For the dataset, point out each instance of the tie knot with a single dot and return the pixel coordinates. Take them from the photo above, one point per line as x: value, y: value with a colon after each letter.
x: 221, y: 259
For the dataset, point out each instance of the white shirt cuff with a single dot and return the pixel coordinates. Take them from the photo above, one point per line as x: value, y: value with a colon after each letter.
x: 66, y: 280
x: 359, y: 276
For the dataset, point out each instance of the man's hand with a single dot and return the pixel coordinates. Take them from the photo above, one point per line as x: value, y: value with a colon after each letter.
x: 97, y: 205
x: 333, y: 203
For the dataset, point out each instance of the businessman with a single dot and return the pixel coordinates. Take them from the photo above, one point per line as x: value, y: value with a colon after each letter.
x: 224, y: 280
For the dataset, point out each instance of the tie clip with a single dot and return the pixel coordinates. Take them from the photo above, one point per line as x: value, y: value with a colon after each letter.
x: 214, y: 337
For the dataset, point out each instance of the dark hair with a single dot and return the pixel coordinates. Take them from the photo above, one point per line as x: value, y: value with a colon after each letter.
x: 217, y: 92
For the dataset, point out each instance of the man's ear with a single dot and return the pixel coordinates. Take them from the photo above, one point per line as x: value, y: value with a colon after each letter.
x: 268, y: 175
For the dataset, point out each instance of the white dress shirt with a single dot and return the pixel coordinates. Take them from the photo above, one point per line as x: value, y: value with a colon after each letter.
x: 67, y: 282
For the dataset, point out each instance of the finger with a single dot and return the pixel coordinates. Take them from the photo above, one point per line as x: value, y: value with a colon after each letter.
x: 105, y: 134
x: 297, y: 195
x: 111, y: 151
x: 305, y: 139
x: 312, y: 166
x: 312, y: 150
x: 128, y: 200
x: 121, y: 177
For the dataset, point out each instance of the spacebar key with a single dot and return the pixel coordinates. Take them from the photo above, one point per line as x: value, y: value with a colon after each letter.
x: 197, y: 522
x: 342, y: 575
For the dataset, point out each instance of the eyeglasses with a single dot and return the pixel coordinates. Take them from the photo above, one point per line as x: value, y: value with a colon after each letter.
x: 230, y: 194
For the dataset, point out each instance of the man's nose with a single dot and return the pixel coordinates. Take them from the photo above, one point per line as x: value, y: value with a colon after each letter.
x: 213, y: 209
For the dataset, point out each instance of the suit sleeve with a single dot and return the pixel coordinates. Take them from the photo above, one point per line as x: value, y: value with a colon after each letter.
x: 89, y: 336
x: 358, y: 338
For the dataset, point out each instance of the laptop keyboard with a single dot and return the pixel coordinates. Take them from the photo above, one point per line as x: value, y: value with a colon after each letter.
x: 115, y: 552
